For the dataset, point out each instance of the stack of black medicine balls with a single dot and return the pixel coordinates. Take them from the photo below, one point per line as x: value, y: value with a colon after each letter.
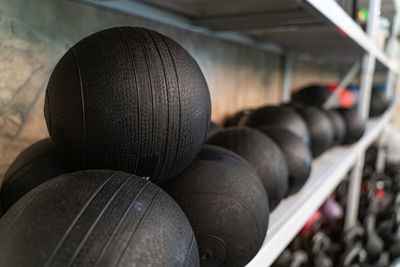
x: 288, y: 131
x: 348, y: 130
x: 134, y: 102
x: 126, y: 109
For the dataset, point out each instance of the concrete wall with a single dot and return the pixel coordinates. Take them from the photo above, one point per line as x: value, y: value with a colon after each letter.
x: 35, y: 34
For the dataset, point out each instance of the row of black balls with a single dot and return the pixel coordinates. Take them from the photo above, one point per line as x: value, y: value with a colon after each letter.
x: 134, y: 101
x: 220, y: 193
x: 283, y: 140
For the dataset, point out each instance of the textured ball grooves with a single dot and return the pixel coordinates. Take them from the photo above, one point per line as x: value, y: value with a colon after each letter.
x: 179, y: 100
x: 151, y: 61
x: 69, y: 229
x: 137, y: 97
x: 78, y: 67
x: 99, y: 223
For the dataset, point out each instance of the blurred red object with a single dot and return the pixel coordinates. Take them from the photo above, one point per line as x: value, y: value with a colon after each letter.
x: 347, y: 98
x: 312, y: 225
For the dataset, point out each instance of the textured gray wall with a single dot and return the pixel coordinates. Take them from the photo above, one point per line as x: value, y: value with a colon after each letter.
x: 35, y: 34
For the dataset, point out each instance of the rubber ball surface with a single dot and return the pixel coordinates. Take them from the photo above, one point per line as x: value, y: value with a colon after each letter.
x: 297, y: 155
x: 97, y: 218
x: 262, y: 154
x: 278, y: 117
x: 35, y: 165
x: 129, y: 99
x: 226, y: 205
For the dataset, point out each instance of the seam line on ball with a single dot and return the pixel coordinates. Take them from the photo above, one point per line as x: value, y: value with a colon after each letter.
x: 190, y: 249
x: 162, y: 171
x: 83, y: 107
x: 179, y: 99
x: 137, y: 100
x: 70, y: 227
x: 95, y: 222
x: 117, y: 227
x: 138, y: 226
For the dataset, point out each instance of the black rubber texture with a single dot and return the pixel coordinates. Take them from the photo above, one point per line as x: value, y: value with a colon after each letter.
x: 226, y: 205
x: 355, y: 125
x: 129, y: 99
x: 297, y: 155
x: 314, y: 95
x: 262, y: 154
x: 35, y: 165
x: 234, y: 119
x: 319, y: 127
x: 278, y: 117
x: 338, y: 125
x: 97, y: 218
x: 379, y: 103
x: 213, y: 128
x: 217, y: 153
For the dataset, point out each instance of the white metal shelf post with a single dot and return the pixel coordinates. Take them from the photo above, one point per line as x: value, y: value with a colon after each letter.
x: 367, y: 76
x: 393, y: 48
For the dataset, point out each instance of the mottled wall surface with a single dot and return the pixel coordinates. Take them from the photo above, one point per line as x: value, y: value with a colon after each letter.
x: 35, y: 34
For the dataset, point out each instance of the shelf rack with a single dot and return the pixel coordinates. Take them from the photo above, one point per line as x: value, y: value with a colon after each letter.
x: 327, y: 172
x: 278, y: 26
x: 315, y: 29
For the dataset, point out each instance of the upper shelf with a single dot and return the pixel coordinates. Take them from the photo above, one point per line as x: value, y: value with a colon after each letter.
x: 327, y: 171
x: 318, y: 29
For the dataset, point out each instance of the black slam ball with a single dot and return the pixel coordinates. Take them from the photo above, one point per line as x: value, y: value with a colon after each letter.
x: 379, y: 102
x: 213, y: 128
x: 314, y: 95
x: 297, y: 155
x: 278, y: 117
x: 129, y: 99
x: 97, y: 218
x: 226, y: 205
x: 338, y: 125
x: 261, y: 153
x: 319, y: 127
x: 234, y: 119
x: 35, y: 165
x: 355, y: 125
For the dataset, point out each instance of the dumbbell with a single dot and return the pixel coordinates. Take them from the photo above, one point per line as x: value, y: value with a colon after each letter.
x: 354, y: 256
x: 299, y: 258
x: 383, y: 260
x: 374, y: 245
x: 320, y: 245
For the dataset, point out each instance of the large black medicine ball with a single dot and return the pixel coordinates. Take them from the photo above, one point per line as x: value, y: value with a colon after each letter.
x: 379, y: 102
x: 129, y: 99
x: 35, y: 165
x: 338, y: 126
x: 235, y: 119
x: 213, y: 128
x: 319, y: 127
x: 262, y: 154
x: 97, y: 218
x: 278, y: 117
x: 297, y: 155
x: 355, y: 125
x: 226, y: 205
x: 314, y: 95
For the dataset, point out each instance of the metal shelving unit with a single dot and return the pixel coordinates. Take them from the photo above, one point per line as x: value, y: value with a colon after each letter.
x: 327, y: 172
x: 315, y: 29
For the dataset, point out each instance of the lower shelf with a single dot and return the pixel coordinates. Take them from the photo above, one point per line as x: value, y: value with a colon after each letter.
x: 327, y: 172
